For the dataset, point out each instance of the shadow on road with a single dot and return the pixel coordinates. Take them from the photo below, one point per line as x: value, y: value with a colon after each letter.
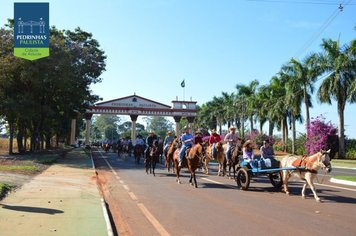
x: 32, y: 209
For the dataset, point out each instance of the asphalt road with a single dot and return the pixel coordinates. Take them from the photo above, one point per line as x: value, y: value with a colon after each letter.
x: 148, y: 205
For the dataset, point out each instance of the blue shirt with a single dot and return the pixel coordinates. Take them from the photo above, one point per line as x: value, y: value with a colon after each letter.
x: 186, y: 137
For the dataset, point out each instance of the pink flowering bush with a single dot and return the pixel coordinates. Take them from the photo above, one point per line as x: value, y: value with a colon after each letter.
x: 321, y: 135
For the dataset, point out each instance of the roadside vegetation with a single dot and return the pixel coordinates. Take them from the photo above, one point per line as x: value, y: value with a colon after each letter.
x: 4, y: 189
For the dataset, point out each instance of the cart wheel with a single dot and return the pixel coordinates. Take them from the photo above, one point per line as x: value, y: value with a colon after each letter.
x: 243, y: 178
x: 276, y: 179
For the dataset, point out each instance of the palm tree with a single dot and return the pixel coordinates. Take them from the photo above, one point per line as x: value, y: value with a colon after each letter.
x: 247, y: 94
x: 293, y: 99
x: 340, y: 64
x: 278, y: 111
x: 303, y: 76
x: 262, y: 99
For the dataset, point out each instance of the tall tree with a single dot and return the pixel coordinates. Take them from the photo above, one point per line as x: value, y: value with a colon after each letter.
x: 247, y: 94
x: 303, y: 75
x: 340, y: 65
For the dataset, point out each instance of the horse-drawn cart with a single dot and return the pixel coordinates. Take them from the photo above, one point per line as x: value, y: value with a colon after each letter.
x: 245, y: 173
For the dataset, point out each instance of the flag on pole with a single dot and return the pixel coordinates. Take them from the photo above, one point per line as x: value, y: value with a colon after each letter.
x: 182, y: 84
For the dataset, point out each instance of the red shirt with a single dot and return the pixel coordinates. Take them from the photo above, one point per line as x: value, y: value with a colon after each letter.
x: 214, y: 138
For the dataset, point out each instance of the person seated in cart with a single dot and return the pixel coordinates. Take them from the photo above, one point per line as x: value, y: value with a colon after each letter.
x: 267, y: 153
x: 247, y: 153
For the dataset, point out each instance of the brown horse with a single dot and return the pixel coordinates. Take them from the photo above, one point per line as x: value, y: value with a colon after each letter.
x: 152, y: 157
x: 169, y: 156
x: 311, y: 164
x: 236, y: 151
x: 192, y: 160
x: 220, y: 158
x: 138, y: 152
x: 207, y: 158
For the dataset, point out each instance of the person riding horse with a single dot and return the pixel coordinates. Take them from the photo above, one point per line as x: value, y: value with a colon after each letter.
x: 198, y: 138
x: 149, y: 142
x: 187, y: 142
x: 214, y: 138
x: 231, y: 140
x: 167, y: 141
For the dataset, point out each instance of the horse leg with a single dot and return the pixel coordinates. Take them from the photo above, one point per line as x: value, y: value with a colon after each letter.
x: 206, y: 166
x: 191, y: 179
x: 195, y: 180
x: 285, y: 177
x: 309, y: 179
x: 153, y: 168
x: 177, y: 170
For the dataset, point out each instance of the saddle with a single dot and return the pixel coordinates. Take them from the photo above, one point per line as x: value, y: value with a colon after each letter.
x: 300, y: 162
x: 187, y: 153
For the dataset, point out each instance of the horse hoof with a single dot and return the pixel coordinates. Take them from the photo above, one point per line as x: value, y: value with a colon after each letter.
x: 288, y: 193
x: 191, y: 184
x: 318, y: 200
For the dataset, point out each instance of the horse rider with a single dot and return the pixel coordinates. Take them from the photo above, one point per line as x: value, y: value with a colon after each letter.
x: 187, y: 142
x: 198, y: 137
x: 231, y: 140
x: 247, y: 153
x: 149, y: 141
x: 213, y: 140
x: 140, y: 141
x: 168, y: 140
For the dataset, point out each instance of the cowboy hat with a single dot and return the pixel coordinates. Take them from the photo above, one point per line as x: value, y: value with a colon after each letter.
x: 169, y: 132
x: 151, y: 132
x: 232, y: 128
x: 247, y: 143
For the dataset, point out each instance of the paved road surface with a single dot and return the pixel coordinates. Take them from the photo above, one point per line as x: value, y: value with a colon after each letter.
x: 146, y: 205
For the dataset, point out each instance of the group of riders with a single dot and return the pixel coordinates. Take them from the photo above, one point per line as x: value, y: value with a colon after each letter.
x: 232, y: 140
x: 187, y: 140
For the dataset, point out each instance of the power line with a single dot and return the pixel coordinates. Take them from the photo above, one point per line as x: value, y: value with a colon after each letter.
x: 323, y: 27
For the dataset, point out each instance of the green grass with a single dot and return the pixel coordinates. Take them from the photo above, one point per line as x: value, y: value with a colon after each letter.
x: 47, y: 159
x: 18, y: 168
x: 344, y: 163
x: 348, y: 178
x: 4, y: 188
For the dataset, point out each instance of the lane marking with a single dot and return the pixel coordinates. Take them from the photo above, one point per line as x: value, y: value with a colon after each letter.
x: 213, y: 181
x: 126, y: 187
x: 133, y: 196
x: 330, y: 186
x: 161, y: 230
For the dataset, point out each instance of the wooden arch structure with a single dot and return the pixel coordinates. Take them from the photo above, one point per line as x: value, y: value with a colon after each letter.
x: 135, y: 106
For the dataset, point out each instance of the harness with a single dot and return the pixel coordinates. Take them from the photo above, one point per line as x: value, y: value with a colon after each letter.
x: 301, y: 165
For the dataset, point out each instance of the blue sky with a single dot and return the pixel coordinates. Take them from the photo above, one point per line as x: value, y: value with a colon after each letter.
x: 152, y: 45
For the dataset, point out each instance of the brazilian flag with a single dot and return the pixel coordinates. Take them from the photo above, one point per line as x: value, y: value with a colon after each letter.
x: 182, y: 84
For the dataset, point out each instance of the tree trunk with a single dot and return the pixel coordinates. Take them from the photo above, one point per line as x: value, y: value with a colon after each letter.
x: 251, y: 123
x: 11, y: 139
x: 286, y: 136
x: 340, y: 108
x: 20, y: 139
x: 48, y: 141
x: 283, y: 134
x: 261, y: 127
x: 270, y: 128
x: 243, y: 127
x: 293, y: 134
x: 307, y: 115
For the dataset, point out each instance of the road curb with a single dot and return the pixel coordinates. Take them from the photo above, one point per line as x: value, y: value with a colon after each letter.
x: 345, y: 182
x: 105, y: 210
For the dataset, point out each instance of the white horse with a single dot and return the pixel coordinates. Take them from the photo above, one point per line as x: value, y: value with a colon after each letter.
x: 311, y: 163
